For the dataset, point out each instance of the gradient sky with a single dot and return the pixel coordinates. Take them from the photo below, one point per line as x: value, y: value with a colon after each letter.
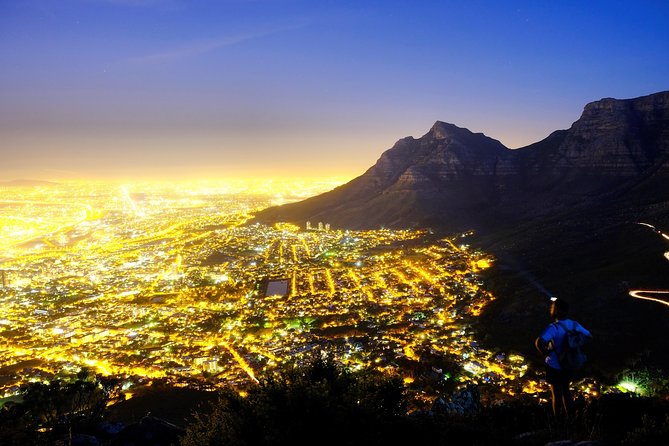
x: 229, y: 88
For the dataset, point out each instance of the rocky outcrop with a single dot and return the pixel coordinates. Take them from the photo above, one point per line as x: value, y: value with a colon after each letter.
x: 613, y: 138
x: 466, y: 401
x: 618, y: 151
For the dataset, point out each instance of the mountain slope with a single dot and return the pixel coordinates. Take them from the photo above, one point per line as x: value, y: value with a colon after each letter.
x: 451, y: 178
x: 411, y: 183
x: 559, y: 215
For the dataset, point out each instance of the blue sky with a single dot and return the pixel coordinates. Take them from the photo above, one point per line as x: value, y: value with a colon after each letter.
x: 177, y: 89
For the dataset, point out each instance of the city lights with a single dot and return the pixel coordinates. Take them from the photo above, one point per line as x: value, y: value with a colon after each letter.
x: 170, y: 281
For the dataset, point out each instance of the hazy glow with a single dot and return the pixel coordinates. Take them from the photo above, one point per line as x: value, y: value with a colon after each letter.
x: 631, y: 386
x: 32, y: 212
x: 149, y: 280
x: 169, y: 89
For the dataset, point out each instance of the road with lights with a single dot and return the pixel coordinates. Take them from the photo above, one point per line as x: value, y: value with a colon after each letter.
x: 658, y: 296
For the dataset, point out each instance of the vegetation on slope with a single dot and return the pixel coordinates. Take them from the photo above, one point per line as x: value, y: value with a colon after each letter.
x: 323, y: 403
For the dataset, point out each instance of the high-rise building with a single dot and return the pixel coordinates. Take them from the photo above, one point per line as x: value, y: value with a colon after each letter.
x: 308, y: 226
x: 320, y: 225
x: 327, y: 226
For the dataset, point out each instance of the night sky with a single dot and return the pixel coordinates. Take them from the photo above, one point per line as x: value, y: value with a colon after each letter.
x: 172, y: 89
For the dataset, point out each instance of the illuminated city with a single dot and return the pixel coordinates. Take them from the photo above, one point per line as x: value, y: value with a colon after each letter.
x: 353, y: 223
x: 167, y: 281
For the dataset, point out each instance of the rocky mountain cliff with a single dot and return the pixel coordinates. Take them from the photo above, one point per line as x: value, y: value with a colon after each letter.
x: 617, y: 152
x: 559, y: 216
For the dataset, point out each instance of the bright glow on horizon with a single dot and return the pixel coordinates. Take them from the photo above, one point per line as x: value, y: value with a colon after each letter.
x: 217, y: 185
x: 162, y: 280
x: 108, y: 90
x: 23, y: 216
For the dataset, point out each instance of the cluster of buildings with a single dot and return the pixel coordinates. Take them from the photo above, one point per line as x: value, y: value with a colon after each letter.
x: 179, y: 288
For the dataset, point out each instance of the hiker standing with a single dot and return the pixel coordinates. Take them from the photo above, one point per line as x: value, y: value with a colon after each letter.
x: 560, y: 342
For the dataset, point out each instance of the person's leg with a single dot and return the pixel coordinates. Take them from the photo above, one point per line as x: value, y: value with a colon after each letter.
x: 567, y: 399
x: 559, y: 399
x: 560, y: 393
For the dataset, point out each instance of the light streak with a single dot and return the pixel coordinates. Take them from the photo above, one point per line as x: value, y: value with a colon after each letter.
x: 655, y: 229
x: 268, y: 250
x: 242, y: 363
x: 637, y: 294
x: 293, y: 283
x: 407, y: 282
x: 128, y: 200
x: 358, y: 284
x: 306, y: 248
x: 310, y: 278
x: 426, y: 276
x: 331, y: 285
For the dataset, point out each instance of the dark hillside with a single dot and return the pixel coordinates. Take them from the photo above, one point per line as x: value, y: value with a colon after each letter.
x: 561, y: 214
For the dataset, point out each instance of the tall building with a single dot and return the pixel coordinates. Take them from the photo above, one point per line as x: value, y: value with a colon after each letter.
x: 327, y: 226
x: 320, y: 225
x: 308, y: 226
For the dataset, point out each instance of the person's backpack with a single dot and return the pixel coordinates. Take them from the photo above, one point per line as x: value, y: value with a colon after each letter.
x: 571, y: 356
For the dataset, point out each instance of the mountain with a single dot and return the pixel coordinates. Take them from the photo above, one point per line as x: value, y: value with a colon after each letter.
x: 415, y: 183
x: 454, y: 179
x: 560, y: 217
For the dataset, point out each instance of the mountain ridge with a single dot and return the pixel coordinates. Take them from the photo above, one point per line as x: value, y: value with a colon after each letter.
x: 453, y: 178
x: 560, y: 214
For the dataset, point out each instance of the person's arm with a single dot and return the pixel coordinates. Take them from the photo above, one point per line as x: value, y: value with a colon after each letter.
x: 543, y: 346
x: 583, y: 330
x: 544, y: 343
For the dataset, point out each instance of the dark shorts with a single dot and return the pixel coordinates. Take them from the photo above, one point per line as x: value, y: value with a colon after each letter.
x: 557, y: 377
